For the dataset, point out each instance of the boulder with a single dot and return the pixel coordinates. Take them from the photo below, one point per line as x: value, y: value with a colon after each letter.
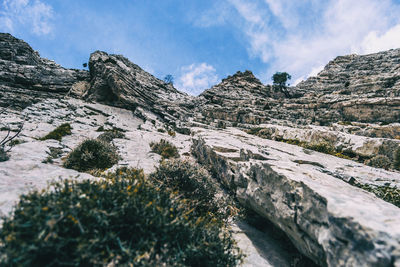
x: 308, y: 196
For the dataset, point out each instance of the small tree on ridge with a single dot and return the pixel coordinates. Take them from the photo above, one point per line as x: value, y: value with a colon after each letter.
x: 279, y: 79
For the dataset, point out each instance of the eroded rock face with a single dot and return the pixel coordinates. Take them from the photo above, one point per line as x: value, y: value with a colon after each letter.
x: 240, y: 98
x: 350, y: 88
x: 25, y: 77
x: 117, y: 81
x: 354, y: 88
x: 305, y: 193
x: 338, y: 138
x: 306, y: 196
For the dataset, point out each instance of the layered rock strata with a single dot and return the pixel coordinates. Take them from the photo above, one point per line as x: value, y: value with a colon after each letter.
x: 25, y: 77
x: 306, y: 196
x: 117, y: 81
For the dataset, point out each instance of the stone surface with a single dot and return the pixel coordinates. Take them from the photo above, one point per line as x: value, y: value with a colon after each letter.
x: 350, y: 88
x: 305, y: 195
x: 240, y: 98
x: 26, y: 170
x: 352, y: 144
x: 117, y: 81
x: 25, y: 77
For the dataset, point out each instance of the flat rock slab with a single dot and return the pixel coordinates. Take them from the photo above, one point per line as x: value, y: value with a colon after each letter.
x: 302, y: 193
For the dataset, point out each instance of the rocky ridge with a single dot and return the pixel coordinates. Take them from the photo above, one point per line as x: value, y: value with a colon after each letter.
x: 307, y: 194
x: 25, y: 77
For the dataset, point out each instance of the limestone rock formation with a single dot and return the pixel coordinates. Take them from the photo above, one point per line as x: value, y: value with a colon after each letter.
x: 117, y: 81
x: 362, y: 88
x: 304, y: 194
x: 26, y: 78
x: 240, y: 98
x: 316, y: 199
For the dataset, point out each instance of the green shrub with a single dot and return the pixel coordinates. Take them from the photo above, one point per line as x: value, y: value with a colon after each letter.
x: 396, y: 156
x: 192, y: 182
x: 54, y: 153
x: 171, y: 133
x: 100, y: 129
x: 109, y: 136
x: 322, y: 147
x: 59, y: 132
x: 3, y: 155
x: 379, y: 161
x: 386, y: 193
x: 16, y: 142
x: 221, y: 125
x: 92, y: 154
x: 165, y: 149
x: 120, y: 221
x: 254, y: 130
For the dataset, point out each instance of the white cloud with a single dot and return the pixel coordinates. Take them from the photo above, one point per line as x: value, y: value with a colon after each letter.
x: 215, y: 16
x: 196, y: 78
x: 33, y: 15
x: 255, y: 27
x: 375, y: 42
x: 301, y: 36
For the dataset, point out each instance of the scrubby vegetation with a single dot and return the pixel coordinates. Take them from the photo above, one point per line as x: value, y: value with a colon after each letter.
x: 171, y: 133
x: 379, y: 161
x: 221, y: 125
x: 7, y: 142
x: 109, y: 136
x: 192, y: 181
x: 164, y: 148
x: 387, y: 193
x: 58, y: 133
x: 396, y: 156
x: 92, y: 154
x: 121, y: 220
x: 323, y: 147
x: 54, y: 153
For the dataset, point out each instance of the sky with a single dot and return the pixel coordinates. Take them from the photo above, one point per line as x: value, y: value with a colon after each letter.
x: 200, y: 42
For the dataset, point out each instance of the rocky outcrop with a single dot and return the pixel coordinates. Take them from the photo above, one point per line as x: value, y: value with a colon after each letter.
x: 314, y: 198
x: 117, y: 81
x: 305, y: 195
x: 25, y: 77
x: 350, y: 88
x: 240, y: 98
x: 33, y: 163
x: 353, y: 145
x: 362, y: 88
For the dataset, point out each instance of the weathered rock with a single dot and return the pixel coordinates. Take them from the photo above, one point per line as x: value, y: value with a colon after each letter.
x: 29, y: 166
x: 26, y: 78
x: 353, y: 88
x: 117, y: 81
x: 349, y: 144
x: 305, y: 195
x: 240, y: 98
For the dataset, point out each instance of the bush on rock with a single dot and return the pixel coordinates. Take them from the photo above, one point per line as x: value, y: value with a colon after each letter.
x: 165, y: 149
x: 92, y: 154
x: 59, y: 132
x: 121, y: 220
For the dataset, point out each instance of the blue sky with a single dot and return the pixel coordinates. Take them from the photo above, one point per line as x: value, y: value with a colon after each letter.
x: 200, y: 42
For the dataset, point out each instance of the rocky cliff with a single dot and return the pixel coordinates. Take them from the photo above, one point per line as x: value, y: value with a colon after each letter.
x: 350, y: 88
x: 321, y: 164
x: 26, y: 78
x: 353, y: 88
x: 117, y: 81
